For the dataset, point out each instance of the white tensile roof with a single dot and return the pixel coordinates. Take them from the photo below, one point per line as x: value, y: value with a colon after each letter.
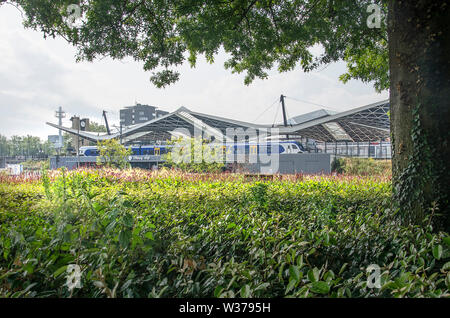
x: 366, y: 123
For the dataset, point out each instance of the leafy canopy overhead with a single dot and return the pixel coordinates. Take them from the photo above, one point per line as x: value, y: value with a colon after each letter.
x: 257, y: 35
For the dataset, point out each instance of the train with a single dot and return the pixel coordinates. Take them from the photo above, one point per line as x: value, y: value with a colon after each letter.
x: 279, y: 147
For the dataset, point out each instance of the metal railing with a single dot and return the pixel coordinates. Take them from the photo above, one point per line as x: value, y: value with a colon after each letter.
x: 376, y: 150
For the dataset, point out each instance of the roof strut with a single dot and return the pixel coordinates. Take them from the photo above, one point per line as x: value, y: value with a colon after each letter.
x: 284, y: 112
x: 106, y: 122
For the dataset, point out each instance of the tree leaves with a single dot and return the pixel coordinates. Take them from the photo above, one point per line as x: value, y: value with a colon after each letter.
x: 294, y: 272
x: 245, y: 291
x: 125, y: 237
x: 113, y: 154
x: 60, y: 270
x: 313, y: 274
x: 320, y: 287
x: 437, y: 252
x: 256, y: 37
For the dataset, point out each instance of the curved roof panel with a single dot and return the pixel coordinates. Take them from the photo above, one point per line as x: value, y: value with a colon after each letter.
x: 366, y: 123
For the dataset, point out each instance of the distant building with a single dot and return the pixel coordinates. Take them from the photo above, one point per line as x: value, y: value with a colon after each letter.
x: 133, y: 115
x: 160, y: 113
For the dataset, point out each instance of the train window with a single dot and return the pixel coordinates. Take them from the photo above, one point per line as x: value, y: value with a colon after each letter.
x: 157, y: 151
x: 253, y: 149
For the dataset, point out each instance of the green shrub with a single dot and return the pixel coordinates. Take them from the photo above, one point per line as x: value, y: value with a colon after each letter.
x: 149, y: 235
x: 337, y: 165
x: 36, y: 165
x: 361, y: 166
x: 194, y: 155
x: 113, y: 154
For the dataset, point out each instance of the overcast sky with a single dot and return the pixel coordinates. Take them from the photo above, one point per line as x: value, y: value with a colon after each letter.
x: 37, y: 76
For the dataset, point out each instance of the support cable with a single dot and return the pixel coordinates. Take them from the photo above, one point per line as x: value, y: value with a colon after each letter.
x: 259, y: 116
x: 307, y: 102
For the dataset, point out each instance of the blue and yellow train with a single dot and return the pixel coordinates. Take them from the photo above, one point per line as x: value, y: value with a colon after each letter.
x: 279, y: 147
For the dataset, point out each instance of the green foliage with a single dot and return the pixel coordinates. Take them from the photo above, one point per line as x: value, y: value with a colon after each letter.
x: 194, y: 155
x: 25, y: 146
x: 337, y: 165
x: 256, y: 35
x: 173, y: 235
x: 361, y: 166
x: 36, y: 165
x: 369, y: 66
x: 95, y: 127
x: 113, y: 154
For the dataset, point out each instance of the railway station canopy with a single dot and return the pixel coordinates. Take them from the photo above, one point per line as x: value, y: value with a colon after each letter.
x: 362, y: 124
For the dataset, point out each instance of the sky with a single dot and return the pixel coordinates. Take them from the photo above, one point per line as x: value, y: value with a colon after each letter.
x: 38, y: 75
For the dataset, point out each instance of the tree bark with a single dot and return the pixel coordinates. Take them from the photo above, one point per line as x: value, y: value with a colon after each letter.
x: 419, y: 58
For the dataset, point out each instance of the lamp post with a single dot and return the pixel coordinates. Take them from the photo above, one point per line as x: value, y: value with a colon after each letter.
x: 78, y: 147
x: 120, y: 132
x: 60, y: 114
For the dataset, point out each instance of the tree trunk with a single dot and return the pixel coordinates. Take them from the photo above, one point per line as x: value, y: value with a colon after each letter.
x: 419, y: 58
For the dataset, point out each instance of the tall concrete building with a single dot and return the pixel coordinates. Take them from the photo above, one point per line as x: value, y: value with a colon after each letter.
x: 137, y: 114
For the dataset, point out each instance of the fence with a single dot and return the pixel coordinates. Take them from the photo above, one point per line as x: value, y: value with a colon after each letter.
x: 376, y: 150
x: 72, y: 162
x: 19, y: 159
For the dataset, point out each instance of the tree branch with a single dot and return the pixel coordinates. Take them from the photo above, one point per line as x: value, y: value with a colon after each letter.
x: 244, y: 14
